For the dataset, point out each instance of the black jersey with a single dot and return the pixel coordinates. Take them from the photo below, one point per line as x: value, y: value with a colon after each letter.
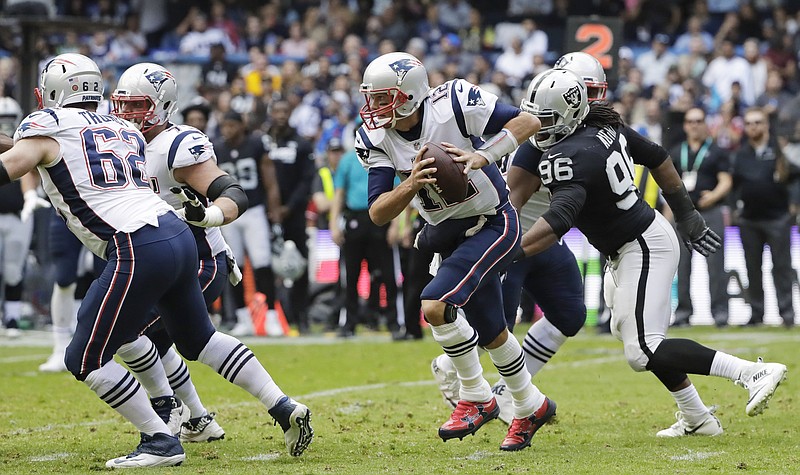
x: 244, y: 164
x: 591, y: 178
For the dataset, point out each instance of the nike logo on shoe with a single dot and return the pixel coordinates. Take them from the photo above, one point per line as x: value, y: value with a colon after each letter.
x: 759, y: 375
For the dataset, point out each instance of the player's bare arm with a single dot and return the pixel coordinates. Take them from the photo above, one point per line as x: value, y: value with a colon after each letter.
x: 199, y: 177
x: 523, y: 184
x: 26, y: 155
x: 6, y: 142
x: 272, y: 188
x: 392, y: 203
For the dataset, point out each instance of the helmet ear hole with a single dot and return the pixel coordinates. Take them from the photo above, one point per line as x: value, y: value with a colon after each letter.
x: 166, y: 105
x: 52, y: 95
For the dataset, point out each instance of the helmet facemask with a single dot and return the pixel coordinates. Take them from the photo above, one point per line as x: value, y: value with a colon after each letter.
x: 394, y: 86
x: 558, y: 99
x: 139, y: 110
x: 375, y: 115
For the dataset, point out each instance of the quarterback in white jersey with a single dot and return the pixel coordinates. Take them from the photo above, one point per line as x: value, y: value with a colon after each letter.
x: 478, y: 237
x: 93, y: 168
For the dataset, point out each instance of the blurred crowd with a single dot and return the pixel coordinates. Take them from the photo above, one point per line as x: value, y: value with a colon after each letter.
x: 300, y: 61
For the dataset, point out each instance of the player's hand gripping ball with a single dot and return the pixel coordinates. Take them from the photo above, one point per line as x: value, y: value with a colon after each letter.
x: 451, y: 182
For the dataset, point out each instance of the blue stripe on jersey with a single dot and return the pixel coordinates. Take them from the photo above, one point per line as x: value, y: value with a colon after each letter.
x: 52, y: 114
x: 498, y: 182
x: 462, y: 125
x: 173, y: 150
x: 501, y: 114
x: 62, y: 179
x: 367, y: 142
x: 381, y: 180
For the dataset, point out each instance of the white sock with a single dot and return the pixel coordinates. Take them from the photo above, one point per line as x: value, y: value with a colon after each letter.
x: 541, y: 343
x: 459, y: 341
x: 510, y: 363
x: 62, y: 306
x: 12, y: 310
x: 142, y: 359
x: 120, y: 390
x: 690, y: 404
x: 181, y: 382
x: 728, y: 366
x: 236, y: 363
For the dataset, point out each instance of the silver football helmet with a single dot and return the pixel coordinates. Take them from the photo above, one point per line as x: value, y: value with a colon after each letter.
x: 10, y: 115
x: 558, y: 98
x: 589, y: 68
x: 394, y: 86
x: 69, y: 78
x: 146, y: 95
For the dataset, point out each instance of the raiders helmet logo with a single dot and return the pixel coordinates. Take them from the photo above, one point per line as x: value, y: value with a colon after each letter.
x: 573, y: 96
x: 402, y: 67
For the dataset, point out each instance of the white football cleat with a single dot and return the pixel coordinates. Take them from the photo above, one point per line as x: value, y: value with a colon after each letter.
x: 172, y: 411
x: 504, y: 400
x: 202, y: 429
x: 295, y: 420
x: 54, y: 364
x: 761, y: 380
x: 157, y: 450
x: 445, y: 374
x: 709, y: 426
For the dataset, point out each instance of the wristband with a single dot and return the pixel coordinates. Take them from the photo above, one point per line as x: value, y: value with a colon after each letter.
x: 214, y: 217
x: 497, y: 147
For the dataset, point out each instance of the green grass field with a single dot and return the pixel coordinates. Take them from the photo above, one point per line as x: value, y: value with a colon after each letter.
x: 376, y: 410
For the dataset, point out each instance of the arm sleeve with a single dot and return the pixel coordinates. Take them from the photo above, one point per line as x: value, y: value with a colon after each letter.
x: 500, y: 116
x: 527, y: 157
x: 565, y: 204
x: 381, y: 180
x: 643, y: 151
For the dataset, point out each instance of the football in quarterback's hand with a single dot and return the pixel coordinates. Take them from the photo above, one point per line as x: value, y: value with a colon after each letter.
x: 451, y: 182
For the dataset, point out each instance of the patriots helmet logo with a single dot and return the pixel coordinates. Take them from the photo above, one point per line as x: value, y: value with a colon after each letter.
x: 401, y: 67
x: 573, y: 96
x: 363, y: 154
x: 158, y: 78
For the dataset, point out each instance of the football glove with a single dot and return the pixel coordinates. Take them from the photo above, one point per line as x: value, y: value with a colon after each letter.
x: 32, y: 202
x: 696, y: 235
x: 194, y: 212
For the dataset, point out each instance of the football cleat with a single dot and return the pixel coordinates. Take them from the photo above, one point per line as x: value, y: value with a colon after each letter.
x: 761, y: 379
x: 467, y: 418
x: 54, y: 364
x: 445, y: 374
x: 504, y: 400
x: 295, y: 420
x: 202, y: 429
x: 522, y: 430
x: 172, y: 411
x: 157, y: 450
x: 710, y: 426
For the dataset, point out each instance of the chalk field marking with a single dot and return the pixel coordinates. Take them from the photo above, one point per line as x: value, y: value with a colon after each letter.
x: 693, y: 456
x: 50, y: 457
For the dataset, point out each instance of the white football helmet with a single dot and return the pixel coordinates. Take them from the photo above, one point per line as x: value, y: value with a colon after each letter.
x: 10, y: 115
x: 146, y: 95
x: 394, y: 86
x: 589, y: 68
x: 69, y: 78
x: 558, y: 98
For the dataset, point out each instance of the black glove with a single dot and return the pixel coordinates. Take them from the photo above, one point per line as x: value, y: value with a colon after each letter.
x: 696, y: 235
x: 195, y: 212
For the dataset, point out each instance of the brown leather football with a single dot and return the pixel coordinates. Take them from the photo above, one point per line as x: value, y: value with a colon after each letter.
x: 451, y: 182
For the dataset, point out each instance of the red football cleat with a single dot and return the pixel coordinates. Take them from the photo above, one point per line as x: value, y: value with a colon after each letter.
x: 467, y: 418
x: 521, y: 431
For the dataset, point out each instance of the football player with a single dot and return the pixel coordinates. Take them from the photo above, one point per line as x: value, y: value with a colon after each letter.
x: 92, y: 166
x: 182, y: 170
x: 587, y: 165
x: 552, y: 277
x: 477, y: 237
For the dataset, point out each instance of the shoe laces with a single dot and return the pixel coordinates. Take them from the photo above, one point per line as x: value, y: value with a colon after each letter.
x: 682, y: 422
x: 743, y: 381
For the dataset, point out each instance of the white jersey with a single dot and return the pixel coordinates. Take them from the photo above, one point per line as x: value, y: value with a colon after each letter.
x: 98, y: 183
x: 456, y: 112
x: 181, y: 146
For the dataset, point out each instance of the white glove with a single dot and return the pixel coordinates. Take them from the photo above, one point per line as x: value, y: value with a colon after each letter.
x: 234, y: 273
x: 195, y: 212
x: 32, y: 202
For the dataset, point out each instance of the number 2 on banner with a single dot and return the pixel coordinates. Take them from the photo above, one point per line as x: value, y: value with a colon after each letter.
x: 603, y: 41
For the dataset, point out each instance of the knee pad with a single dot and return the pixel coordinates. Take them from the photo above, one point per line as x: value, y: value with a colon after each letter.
x: 637, y: 360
